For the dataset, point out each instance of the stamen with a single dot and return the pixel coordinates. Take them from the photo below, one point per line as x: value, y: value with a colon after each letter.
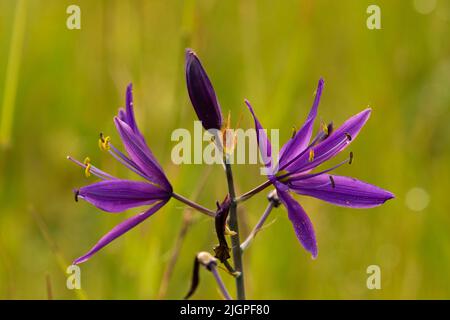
x: 324, y: 155
x: 311, y: 155
x: 333, y: 185
x: 123, y: 159
x: 299, y: 176
x: 324, y: 132
x: 294, y: 132
x: 95, y: 171
x: 238, y: 123
x: 330, y: 128
x: 324, y: 128
x: 351, y: 158
x: 87, y: 170
x: 77, y: 193
x: 312, y: 144
x: 103, y: 142
x: 349, y: 137
x: 318, y: 138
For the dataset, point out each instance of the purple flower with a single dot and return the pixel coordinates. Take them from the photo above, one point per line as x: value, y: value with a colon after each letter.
x: 201, y: 93
x: 300, y: 155
x: 115, y: 195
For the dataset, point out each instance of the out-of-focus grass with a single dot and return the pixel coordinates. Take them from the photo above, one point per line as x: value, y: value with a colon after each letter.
x: 71, y: 83
x: 12, y: 71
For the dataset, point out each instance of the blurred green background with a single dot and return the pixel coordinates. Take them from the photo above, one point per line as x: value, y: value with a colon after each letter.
x: 70, y: 84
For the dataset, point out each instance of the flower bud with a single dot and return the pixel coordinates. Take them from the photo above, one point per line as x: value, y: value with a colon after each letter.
x: 201, y: 93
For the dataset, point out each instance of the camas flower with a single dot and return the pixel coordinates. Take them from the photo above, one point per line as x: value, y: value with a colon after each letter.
x: 201, y: 93
x: 300, y: 155
x: 115, y: 195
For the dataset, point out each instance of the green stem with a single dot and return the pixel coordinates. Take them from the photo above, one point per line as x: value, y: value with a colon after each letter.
x: 235, y: 241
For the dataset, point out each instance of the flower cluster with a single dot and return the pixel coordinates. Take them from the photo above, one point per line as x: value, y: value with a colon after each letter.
x: 290, y: 171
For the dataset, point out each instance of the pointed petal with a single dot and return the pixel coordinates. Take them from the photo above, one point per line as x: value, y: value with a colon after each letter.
x: 127, y: 114
x: 122, y: 115
x: 201, y: 93
x: 131, y: 121
x: 342, y: 191
x: 331, y: 146
x: 120, y: 195
x: 141, y: 155
x: 301, y: 139
x: 264, y: 145
x: 303, y: 227
x: 119, y: 230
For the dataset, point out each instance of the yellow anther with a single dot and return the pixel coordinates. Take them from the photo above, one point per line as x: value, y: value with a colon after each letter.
x: 103, y: 143
x: 87, y: 170
x: 325, y: 128
x: 311, y: 155
x: 294, y: 132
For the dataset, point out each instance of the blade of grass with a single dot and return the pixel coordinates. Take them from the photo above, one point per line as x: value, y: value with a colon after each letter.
x: 62, y: 262
x: 187, y: 222
x: 12, y: 73
x: 49, y: 287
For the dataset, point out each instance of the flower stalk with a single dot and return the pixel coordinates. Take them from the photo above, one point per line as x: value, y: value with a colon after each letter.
x: 234, y: 226
x: 220, y: 283
x: 206, y: 260
x: 194, y: 205
x: 253, y: 192
x: 258, y: 226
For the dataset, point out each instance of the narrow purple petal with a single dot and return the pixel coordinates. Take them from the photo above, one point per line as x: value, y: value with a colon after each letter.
x: 301, y: 139
x: 120, y: 195
x: 119, y: 230
x: 264, y: 145
x: 131, y: 121
x: 331, y: 146
x: 122, y: 115
x: 341, y: 191
x: 141, y: 155
x: 201, y: 93
x: 127, y: 114
x: 303, y: 227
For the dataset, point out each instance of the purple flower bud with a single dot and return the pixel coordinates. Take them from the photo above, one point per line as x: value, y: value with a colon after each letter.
x: 202, y: 93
